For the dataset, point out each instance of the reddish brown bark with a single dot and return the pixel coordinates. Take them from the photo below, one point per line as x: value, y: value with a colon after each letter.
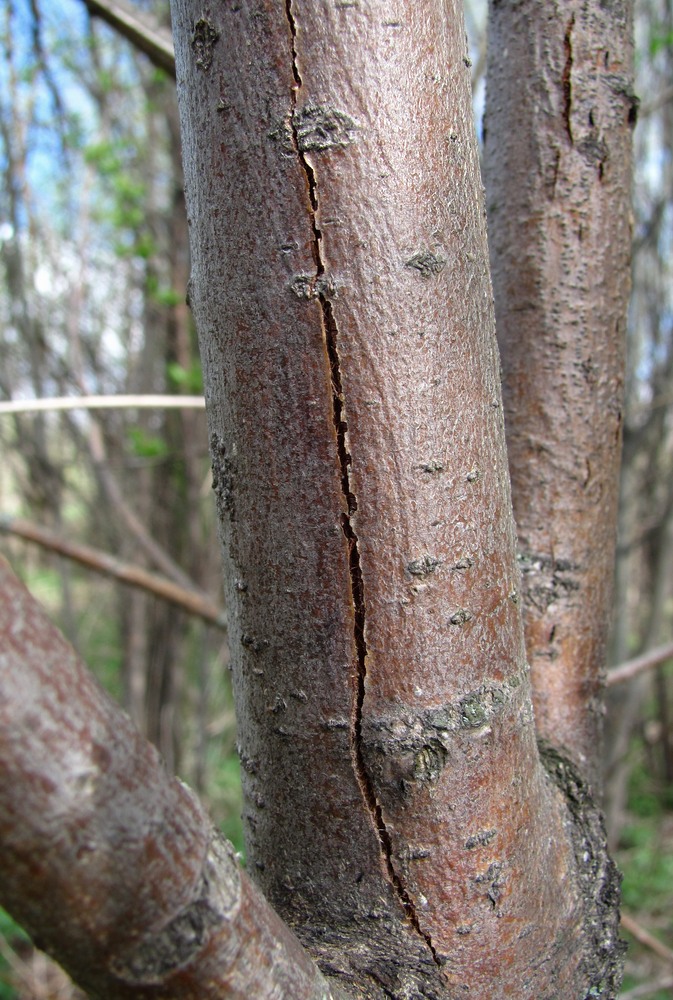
x: 560, y: 110
x: 110, y: 864
x: 397, y: 811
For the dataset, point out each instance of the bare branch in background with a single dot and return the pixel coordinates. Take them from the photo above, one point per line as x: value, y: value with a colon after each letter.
x: 138, y: 402
x: 150, y: 38
x: 639, y: 664
x: 647, y: 939
x: 103, y: 562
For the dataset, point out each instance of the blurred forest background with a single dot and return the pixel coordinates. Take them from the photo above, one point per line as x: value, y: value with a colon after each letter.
x: 93, y: 275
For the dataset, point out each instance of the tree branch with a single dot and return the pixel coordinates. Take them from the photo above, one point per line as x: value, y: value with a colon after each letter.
x: 130, y: 520
x: 648, y: 940
x: 639, y: 664
x: 102, y: 562
x: 141, y: 402
x: 558, y: 177
x: 155, y: 42
x: 111, y: 865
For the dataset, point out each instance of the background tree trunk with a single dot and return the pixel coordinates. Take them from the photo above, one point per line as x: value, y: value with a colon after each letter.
x: 559, y: 116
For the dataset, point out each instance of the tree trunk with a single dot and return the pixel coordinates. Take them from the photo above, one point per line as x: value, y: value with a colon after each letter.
x: 397, y: 811
x: 400, y: 814
x: 560, y: 111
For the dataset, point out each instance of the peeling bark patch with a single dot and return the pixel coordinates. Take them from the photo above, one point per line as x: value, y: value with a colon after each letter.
x: 460, y: 616
x: 429, y: 762
x: 327, y: 129
x: 432, y: 468
x: 253, y: 644
x: 594, y: 150
x: 477, y: 710
x: 427, y: 263
x: 401, y: 749
x: 282, y: 133
x: 545, y: 580
x: 621, y: 87
x: 318, y: 128
x: 599, y: 878
x: 179, y: 942
x: 203, y: 42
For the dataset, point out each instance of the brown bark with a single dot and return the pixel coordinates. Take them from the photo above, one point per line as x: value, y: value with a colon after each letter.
x: 110, y: 864
x: 397, y: 811
x: 560, y: 110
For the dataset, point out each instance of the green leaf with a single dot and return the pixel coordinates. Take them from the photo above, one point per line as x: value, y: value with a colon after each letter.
x: 190, y: 380
x: 146, y: 445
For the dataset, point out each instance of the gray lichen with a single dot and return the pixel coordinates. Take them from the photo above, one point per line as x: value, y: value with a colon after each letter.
x: 427, y: 263
x: 319, y: 128
x: 423, y: 566
x: 599, y: 877
x: 203, y: 42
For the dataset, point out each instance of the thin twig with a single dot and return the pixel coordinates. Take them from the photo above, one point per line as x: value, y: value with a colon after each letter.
x: 639, y: 664
x: 135, y: 576
x: 648, y: 940
x: 136, y: 27
x: 647, y: 989
x: 160, y: 558
x: 139, y: 402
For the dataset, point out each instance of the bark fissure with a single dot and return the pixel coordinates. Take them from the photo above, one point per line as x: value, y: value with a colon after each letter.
x: 322, y: 286
x: 567, y: 77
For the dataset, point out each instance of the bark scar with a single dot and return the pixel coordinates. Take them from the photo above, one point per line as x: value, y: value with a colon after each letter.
x: 331, y: 333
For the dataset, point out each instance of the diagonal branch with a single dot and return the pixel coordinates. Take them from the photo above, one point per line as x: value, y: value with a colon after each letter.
x: 138, y: 29
x: 102, y: 562
x: 109, y: 863
x: 639, y: 664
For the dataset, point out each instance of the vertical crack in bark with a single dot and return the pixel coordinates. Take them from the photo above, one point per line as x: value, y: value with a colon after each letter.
x: 357, y: 586
x: 566, y: 79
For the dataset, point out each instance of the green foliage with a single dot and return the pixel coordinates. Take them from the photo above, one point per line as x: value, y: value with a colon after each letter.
x: 189, y: 380
x: 162, y: 294
x: 226, y: 799
x: 660, y: 41
x: 97, y: 624
x: 645, y: 856
x: 146, y: 445
x: 125, y: 208
x: 645, y: 797
x: 12, y: 935
x: 104, y: 156
x: 648, y: 868
x: 102, y: 645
